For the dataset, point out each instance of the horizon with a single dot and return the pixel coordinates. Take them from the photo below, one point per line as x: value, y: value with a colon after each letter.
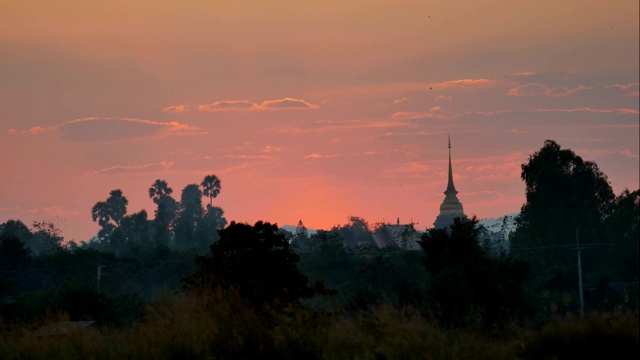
x: 312, y: 112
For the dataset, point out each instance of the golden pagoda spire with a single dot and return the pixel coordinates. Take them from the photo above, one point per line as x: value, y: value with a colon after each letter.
x: 451, y: 207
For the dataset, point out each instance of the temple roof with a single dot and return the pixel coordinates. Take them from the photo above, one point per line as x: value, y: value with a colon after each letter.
x: 451, y: 207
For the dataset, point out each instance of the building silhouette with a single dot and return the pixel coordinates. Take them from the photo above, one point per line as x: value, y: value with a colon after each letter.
x: 451, y: 207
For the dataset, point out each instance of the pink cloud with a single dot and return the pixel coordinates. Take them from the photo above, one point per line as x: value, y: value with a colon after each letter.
x: 401, y: 101
x: 444, y: 98
x: 518, y: 131
x: 563, y: 91
x: 270, y: 149
x: 525, y: 73
x: 56, y: 211
x: 36, y: 130
x: 144, y: 168
x: 228, y: 105
x: 530, y: 89
x: 326, y: 126
x: 410, y: 167
x: 278, y: 104
x: 535, y: 89
x: 414, y: 115
x: 466, y: 83
x: 320, y: 156
x: 605, y: 111
x: 623, y: 86
x: 287, y: 103
x: 175, y: 109
x: 94, y: 129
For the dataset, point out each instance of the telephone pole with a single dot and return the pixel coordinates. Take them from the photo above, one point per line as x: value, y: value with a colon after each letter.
x: 99, y: 276
x: 580, y: 275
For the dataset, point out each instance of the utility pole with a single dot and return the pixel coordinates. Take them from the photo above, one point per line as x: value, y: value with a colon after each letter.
x: 99, y: 275
x: 580, y: 275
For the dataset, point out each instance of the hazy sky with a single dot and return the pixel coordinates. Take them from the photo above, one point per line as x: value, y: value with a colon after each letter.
x: 308, y: 110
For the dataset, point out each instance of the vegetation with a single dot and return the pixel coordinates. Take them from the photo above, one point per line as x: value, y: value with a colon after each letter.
x: 186, y: 285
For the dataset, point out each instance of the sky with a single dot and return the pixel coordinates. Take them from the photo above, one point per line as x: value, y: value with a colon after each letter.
x: 312, y: 111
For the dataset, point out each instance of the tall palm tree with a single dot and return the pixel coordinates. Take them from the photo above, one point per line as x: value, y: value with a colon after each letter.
x: 159, y: 190
x: 210, y: 187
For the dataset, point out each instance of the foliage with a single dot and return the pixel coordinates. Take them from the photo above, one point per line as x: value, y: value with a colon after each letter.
x: 211, y: 187
x: 159, y: 191
x: 599, y: 336
x: 255, y: 260
x: 356, y: 232
x: 570, y: 200
x: 467, y: 285
x: 564, y: 194
x: 219, y: 325
x: 13, y: 252
x: 109, y: 213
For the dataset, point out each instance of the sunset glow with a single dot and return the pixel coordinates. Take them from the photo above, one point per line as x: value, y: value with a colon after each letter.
x: 312, y: 111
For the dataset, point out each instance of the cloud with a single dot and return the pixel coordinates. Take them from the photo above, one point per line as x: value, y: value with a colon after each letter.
x: 601, y: 111
x: 535, y: 89
x: 630, y: 89
x: 415, y: 115
x: 111, y: 129
x: 117, y: 129
x: 410, y: 167
x: 56, y: 211
x: 175, y: 109
x: 287, y: 103
x: 518, y: 131
x: 144, y: 168
x: 530, y: 89
x: 270, y: 149
x: 10, y: 209
x: 228, y: 105
x: 320, y: 156
x: 621, y: 152
x: 525, y: 73
x: 339, y: 125
x: 36, y: 130
x: 248, y: 157
x: 623, y: 86
x: 466, y: 83
x: 444, y: 98
x: 278, y: 104
x: 563, y: 91
x: 403, y: 100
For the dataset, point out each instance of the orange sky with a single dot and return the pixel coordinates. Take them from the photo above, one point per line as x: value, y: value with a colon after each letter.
x: 313, y: 111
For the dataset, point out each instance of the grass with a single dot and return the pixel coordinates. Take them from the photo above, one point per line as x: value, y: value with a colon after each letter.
x: 218, y: 325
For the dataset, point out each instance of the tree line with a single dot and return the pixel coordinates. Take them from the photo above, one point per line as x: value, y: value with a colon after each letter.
x: 180, y: 225
x: 454, y: 277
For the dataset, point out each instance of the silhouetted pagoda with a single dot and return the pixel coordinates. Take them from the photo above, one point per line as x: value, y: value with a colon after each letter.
x: 451, y: 207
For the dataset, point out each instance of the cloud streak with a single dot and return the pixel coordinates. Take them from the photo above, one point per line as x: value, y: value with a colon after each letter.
x: 535, y: 89
x: 144, y: 168
x: 94, y: 129
x: 278, y: 104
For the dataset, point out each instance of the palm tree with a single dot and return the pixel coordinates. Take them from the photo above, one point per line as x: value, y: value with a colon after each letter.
x: 210, y: 187
x: 159, y: 190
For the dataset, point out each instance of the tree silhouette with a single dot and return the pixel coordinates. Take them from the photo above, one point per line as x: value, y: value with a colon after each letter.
x: 165, y: 213
x: 211, y: 187
x: 159, y: 190
x: 190, y: 214
x: 565, y: 197
x: 109, y: 213
x: 466, y: 281
x: 13, y: 251
x: 255, y: 260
